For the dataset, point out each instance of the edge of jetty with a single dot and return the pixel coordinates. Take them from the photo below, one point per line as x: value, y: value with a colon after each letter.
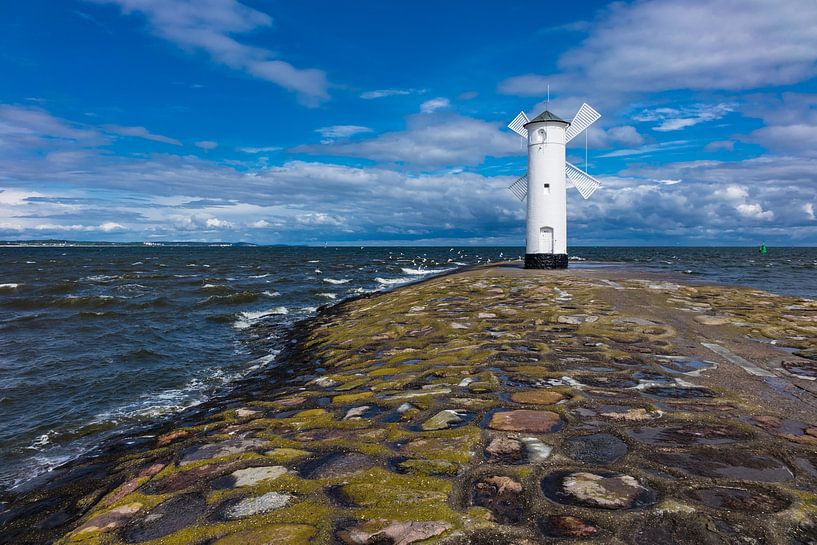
x: 483, y: 406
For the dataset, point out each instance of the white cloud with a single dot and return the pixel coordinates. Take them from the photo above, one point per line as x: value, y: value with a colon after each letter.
x: 663, y: 45
x: 211, y: 26
x: 109, y: 226
x: 624, y: 135
x: 649, y: 149
x: 382, y: 93
x: 430, y: 141
x: 673, y: 119
x: 266, y: 149
x: 718, y: 145
x: 207, y: 145
x: 431, y: 106
x: 141, y: 132
x: 216, y: 223
x: 754, y: 210
x: 342, y: 131
x: 808, y: 208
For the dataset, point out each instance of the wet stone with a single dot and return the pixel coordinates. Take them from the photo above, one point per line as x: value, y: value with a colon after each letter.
x: 738, y: 499
x: 249, y: 477
x: 679, y: 392
x: 224, y: 448
x: 110, y: 520
x: 599, y: 448
x: 380, y: 531
x: 566, y: 526
x: 792, y: 430
x: 524, y: 420
x: 607, y: 382
x: 505, y: 450
x: 447, y: 418
x: 802, y: 368
x: 171, y: 516
x: 603, y: 490
x: 576, y: 319
x: 689, y: 434
x: 684, y: 366
x: 186, y: 479
x: 502, y: 495
x: 537, y: 397
x: 728, y: 463
x: 536, y: 450
x: 628, y: 414
x: 361, y: 413
x: 256, y: 505
x: 336, y: 464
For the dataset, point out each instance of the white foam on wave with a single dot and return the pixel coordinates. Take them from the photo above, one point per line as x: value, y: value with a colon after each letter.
x: 101, y: 278
x: 334, y: 281
x: 407, y: 270
x: 271, y: 293
x: 210, y: 286
x: 310, y: 309
x: 9, y: 286
x: 260, y: 275
x: 246, y: 319
x: 393, y: 281
x: 328, y: 295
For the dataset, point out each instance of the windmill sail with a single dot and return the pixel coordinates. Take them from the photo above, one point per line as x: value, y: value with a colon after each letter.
x: 582, y: 181
x: 520, y: 187
x: 585, y: 117
x: 517, y: 125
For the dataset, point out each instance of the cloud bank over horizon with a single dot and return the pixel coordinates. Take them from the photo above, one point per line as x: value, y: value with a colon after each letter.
x: 218, y: 121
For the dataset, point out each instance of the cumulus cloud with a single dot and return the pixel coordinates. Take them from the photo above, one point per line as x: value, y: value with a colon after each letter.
x: 663, y: 45
x: 341, y: 131
x: 263, y: 149
x: 212, y: 26
x: 383, y: 93
x: 83, y: 191
x: 673, y: 119
x: 207, y: 145
x: 720, y: 145
x: 790, y: 123
x: 430, y: 141
x: 431, y: 106
x: 141, y: 132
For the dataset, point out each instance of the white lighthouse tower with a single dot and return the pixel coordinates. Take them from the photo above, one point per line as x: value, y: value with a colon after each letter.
x: 545, y: 184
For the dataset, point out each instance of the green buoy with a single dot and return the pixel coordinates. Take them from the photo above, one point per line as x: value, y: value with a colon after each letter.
x: 763, y: 249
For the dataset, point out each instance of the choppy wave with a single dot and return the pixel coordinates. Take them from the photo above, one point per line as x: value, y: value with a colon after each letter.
x: 328, y: 295
x: 392, y: 281
x: 247, y: 319
x: 9, y: 286
x: 336, y: 281
x: 232, y: 299
x: 407, y: 270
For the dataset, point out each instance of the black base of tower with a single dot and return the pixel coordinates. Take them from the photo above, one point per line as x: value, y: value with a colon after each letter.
x: 545, y: 261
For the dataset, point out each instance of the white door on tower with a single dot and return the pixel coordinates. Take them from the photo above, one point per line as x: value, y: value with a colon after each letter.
x: 546, y: 240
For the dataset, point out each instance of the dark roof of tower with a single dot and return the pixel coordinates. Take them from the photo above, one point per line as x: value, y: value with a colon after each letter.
x: 547, y: 115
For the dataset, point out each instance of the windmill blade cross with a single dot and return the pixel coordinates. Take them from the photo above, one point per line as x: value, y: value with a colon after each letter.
x: 517, y: 125
x: 585, y: 117
x: 520, y: 187
x: 582, y: 181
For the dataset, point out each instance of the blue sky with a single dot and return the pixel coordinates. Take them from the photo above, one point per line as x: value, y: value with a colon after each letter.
x: 384, y: 122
